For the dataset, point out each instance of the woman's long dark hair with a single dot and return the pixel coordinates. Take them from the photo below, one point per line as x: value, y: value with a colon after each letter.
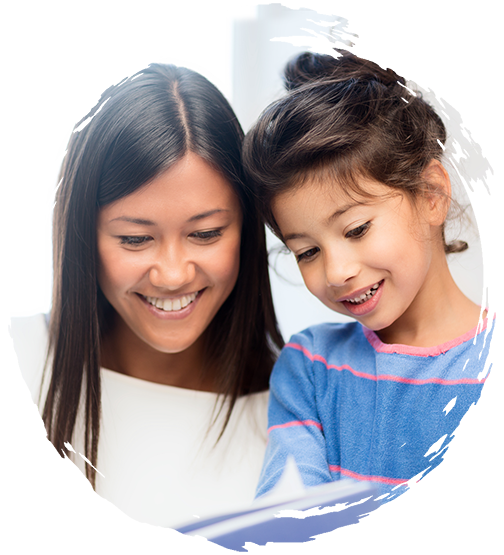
x: 138, y: 129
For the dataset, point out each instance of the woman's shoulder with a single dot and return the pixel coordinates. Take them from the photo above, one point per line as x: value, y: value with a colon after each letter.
x: 35, y: 322
x: 29, y: 336
x: 28, y: 331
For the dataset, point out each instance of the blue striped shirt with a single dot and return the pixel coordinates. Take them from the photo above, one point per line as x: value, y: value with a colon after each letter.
x: 344, y: 404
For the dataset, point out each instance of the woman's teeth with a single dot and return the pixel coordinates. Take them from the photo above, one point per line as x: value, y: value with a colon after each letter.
x: 169, y: 305
x: 365, y: 296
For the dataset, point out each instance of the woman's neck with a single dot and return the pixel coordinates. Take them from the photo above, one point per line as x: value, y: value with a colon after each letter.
x: 440, y: 312
x: 124, y: 352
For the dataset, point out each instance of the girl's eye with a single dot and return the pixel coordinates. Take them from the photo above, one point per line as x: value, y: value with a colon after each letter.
x: 307, y: 255
x: 207, y: 235
x: 358, y: 232
x: 134, y: 240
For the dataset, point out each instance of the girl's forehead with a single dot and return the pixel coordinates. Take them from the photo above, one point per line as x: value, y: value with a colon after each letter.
x: 316, y: 204
x: 336, y: 191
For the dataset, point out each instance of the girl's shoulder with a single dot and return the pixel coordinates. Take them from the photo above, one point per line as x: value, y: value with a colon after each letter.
x: 324, y: 338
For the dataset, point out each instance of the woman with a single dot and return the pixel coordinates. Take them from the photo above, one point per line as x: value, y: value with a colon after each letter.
x: 162, y: 333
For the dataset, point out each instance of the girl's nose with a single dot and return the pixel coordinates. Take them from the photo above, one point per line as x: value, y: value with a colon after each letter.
x: 172, y: 270
x: 339, y: 269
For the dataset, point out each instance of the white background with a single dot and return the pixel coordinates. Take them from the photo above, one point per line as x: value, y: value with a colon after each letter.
x: 242, y: 49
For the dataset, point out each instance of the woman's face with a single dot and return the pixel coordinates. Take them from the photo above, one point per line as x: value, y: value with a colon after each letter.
x: 169, y: 253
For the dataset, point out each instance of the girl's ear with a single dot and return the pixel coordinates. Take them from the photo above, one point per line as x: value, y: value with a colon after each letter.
x: 438, y: 192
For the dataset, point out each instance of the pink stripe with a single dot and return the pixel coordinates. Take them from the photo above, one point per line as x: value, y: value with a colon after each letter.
x: 381, y: 479
x: 384, y: 377
x: 432, y: 380
x: 390, y: 348
x: 297, y: 423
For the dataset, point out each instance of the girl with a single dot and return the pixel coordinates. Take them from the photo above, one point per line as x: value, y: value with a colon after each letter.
x: 162, y: 333
x: 348, y: 168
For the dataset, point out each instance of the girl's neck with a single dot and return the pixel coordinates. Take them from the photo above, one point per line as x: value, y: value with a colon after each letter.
x: 440, y: 312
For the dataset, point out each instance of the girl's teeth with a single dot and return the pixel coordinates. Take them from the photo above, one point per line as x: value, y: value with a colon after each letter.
x: 365, y: 296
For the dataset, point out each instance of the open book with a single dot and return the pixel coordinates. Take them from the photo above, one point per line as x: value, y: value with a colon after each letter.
x: 289, y: 499
x: 344, y: 515
x: 340, y: 516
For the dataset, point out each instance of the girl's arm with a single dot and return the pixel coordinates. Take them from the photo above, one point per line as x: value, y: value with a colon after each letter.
x: 294, y: 426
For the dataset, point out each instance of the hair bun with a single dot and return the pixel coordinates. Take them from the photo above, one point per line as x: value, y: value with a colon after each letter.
x: 310, y: 67
x: 307, y: 67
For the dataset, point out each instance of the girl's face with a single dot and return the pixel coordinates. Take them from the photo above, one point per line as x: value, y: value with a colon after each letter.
x: 169, y: 253
x: 370, y: 258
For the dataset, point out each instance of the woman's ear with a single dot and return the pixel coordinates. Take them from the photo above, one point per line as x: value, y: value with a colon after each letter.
x: 438, y: 192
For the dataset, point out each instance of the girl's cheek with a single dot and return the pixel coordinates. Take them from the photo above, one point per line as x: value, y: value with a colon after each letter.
x: 315, y: 280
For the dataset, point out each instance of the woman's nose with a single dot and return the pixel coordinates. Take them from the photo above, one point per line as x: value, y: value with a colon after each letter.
x: 172, y: 270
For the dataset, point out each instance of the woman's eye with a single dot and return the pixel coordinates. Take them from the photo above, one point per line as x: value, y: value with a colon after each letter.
x: 358, y: 232
x: 207, y: 235
x: 134, y: 240
x: 307, y: 255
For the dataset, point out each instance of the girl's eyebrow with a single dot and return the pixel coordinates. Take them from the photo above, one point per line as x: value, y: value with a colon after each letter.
x: 330, y: 219
x: 342, y: 210
x: 141, y: 221
x: 292, y: 236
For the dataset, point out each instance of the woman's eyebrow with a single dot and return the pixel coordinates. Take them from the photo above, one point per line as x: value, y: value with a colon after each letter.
x: 139, y: 221
x: 204, y: 215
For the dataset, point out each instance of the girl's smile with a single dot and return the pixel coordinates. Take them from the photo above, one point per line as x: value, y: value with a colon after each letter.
x: 363, y: 301
x: 368, y: 260
x: 371, y: 257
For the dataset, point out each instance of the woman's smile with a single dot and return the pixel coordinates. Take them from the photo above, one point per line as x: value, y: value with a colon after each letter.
x: 170, y: 252
x: 172, y: 307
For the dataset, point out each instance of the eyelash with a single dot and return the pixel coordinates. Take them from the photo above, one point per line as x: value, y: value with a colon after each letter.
x: 139, y: 240
x: 355, y: 233
x: 207, y: 235
x: 359, y: 231
x: 306, y: 255
x: 133, y: 240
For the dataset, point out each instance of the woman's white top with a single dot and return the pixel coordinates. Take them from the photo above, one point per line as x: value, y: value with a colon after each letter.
x: 157, y: 458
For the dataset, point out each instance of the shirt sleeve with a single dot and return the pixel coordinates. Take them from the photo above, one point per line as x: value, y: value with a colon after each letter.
x: 294, y: 426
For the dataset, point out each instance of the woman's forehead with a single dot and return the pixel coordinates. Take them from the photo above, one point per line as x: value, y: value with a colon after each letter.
x: 191, y: 189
